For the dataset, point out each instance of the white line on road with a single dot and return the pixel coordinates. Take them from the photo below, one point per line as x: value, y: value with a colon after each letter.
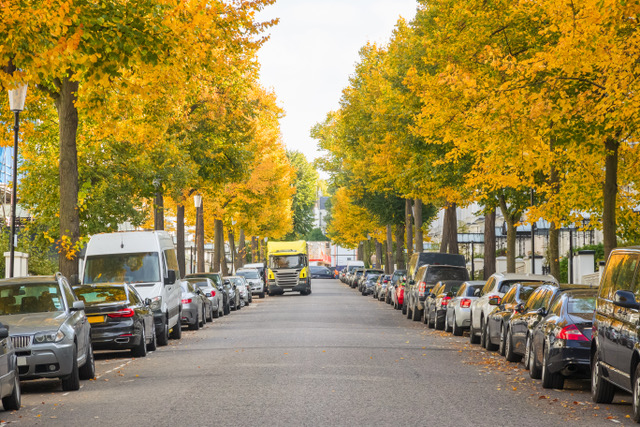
x: 117, y: 367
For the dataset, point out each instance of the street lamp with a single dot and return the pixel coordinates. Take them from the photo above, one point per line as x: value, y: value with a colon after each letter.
x: 17, y: 98
x: 197, y: 201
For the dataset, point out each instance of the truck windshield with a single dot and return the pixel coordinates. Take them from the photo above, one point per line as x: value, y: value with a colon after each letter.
x: 286, y: 261
x: 131, y: 268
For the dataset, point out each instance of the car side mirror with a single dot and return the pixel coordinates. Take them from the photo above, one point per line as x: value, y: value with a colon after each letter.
x: 4, y: 333
x: 494, y: 301
x: 171, y: 277
x: 519, y: 308
x: 625, y: 299
x: 77, y: 306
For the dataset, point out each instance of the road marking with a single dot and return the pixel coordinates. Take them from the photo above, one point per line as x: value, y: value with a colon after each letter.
x: 116, y: 368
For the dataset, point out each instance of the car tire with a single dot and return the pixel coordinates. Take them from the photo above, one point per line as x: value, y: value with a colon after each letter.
x: 483, y: 334
x: 503, y: 339
x: 409, y: 312
x: 88, y: 370
x: 602, y: 391
x: 215, y: 313
x: 176, y: 333
x: 487, y: 339
x: 227, y: 309
x: 71, y: 382
x: 261, y: 295
x: 550, y: 380
x: 163, y: 337
x: 141, y: 349
x: 196, y: 323
x: 404, y: 307
x: 425, y: 318
x: 203, y: 321
x: 635, y: 405
x: 508, y: 349
x: 457, y: 331
x: 14, y: 400
x: 534, y: 369
x: 447, y: 326
x: 473, y: 338
x: 417, y: 314
x: 439, y: 324
x: 527, y: 353
x: 153, y: 345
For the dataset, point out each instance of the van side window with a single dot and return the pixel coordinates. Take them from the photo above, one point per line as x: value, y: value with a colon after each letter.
x: 535, y: 300
x: 625, y: 279
x: 610, y: 273
x: 172, y: 261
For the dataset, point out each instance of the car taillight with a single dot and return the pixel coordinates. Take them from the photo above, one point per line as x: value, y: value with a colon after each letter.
x: 571, y: 333
x: 213, y: 293
x: 445, y: 300
x: 187, y: 301
x: 125, y: 312
x: 421, y: 288
x: 465, y: 303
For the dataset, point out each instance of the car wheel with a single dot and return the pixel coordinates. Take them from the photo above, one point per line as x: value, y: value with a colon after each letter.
x: 527, y: 353
x: 487, y: 340
x: 439, y: 323
x: 483, y: 334
x: 602, y: 391
x: 417, y: 314
x: 13, y: 401
x: 550, y: 380
x: 447, y: 326
x: 153, y: 345
x: 425, y: 318
x: 163, y: 336
x: 473, y: 338
x: 409, y: 312
x: 636, y: 396
x: 508, y: 349
x: 88, y: 370
x: 71, y: 382
x: 210, y: 317
x: 176, y: 333
x: 503, y: 339
x: 457, y: 331
x: 203, y: 319
x: 261, y: 295
x: 227, y: 308
x: 141, y: 349
x: 404, y: 307
x: 215, y: 313
x: 534, y: 368
x: 196, y: 323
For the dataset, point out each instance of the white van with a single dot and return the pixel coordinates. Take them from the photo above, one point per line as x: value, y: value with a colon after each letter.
x: 147, y: 260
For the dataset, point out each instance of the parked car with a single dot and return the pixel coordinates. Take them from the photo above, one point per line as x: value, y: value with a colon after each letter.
x: 242, y: 289
x: 234, y: 296
x: 496, y: 324
x: 561, y: 342
x: 193, y: 306
x: 252, y: 276
x: 214, y: 307
x: 457, y: 317
x: 365, y: 276
x: 337, y: 270
x: 9, y: 376
x: 216, y: 278
x: 495, y: 287
x: 380, y: 291
x: 425, y: 279
x: 616, y: 338
x: 355, y: 277
x: 48, y: 328
x: 369, y: 283
x: 119, y: 317
x: 435, y: 306
x: 391, y: 286
x: 398, y: 296
x: 320, y: 272
x: 260, y: 267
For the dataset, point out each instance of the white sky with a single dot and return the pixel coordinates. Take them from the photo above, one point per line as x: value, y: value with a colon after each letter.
x: 313, y: 51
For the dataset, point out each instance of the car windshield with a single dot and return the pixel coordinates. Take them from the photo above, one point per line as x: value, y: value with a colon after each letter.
x: 435, y: 274
x: 132, y: 268
x: 248, y: 274
x: 30, y: 298
x: 581, y: 305
x: 92, y: 295
x: 286, y: 261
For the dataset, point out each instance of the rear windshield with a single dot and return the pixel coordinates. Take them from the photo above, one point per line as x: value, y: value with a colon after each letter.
x: 248, y: 274
x: 581, y: 305
x: 435, y: 274
x: 373, y: 277
x: 451, y: 287
x: 100, y: 295
x: 199, y: 283
x: 472, y: 289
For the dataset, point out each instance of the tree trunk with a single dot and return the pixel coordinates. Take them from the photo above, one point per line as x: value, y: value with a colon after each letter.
x: 408, y: 217
x: 254, y: 249
x: 511, y: 220
x: 418, y: 224
x: 232, y: 249
x: 400, y: 264
x: 180, y: 239
x: 453, y: 229
x: 444, y: 242
x: 554, y: 250
x: 610, y: 195
x: 200, y: 238
x: 217, y: 246
x: 360, y: 251
x: 489, y: 244
x: 242, y: 249
x: 378, y: 252
x: 68, y: 175
x: 389, y: 258
x: 158, y: 212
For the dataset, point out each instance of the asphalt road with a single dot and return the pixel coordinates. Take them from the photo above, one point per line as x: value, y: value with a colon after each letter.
x: 330, y: 358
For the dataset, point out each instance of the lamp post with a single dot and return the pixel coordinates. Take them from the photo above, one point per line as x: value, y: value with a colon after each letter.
x: 17, y: 98
x: 197, y: 201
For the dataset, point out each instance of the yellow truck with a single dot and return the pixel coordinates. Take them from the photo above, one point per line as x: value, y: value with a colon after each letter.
x: 288, y: 267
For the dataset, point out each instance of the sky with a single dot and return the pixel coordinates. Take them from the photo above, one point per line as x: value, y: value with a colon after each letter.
x: 313, y: 51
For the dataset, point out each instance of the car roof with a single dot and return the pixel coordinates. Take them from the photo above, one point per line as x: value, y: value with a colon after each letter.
x: 524, y: 277
x: 26, y: 280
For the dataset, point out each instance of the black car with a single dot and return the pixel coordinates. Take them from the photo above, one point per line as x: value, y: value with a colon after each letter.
x: 561, y: 342
x: 320, y: 272
x: 495, y: 329
x: 365, y: 276
x: 119, y: 317
x: 369, y: 283
x: 216, y: 278
x: 435, y: 306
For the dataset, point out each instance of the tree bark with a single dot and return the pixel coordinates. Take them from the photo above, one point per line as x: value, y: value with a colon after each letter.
x: 232, y: 249
x: 158, y: 212
x: 360, y: 251
x: 389, y: 258
x: 444, y: 243
x: 418, y: 224
x: 68, y: 175
x: 180, y: 239
x: 554, y: 250
x: 242, y: 249
x: 400, y: 263
x: 379, y: 258
x: 219, y: 235
x: 452, y: 208
x: 511, y: 219
x: 610, y: 195
x: 217, y: 246
x: 489, y: 244
x: 408, y: 227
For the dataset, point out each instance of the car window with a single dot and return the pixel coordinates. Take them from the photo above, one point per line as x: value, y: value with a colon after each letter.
x: 101, y: 294
x: 471, y: 290
x: 556, y: 307
x: 510, y: 296
x: 625, y: 279
x: 525, y: 292
x: 488, y: 286
x: 535, y: 299
x: 505, y: 286
x: 30, y: 298
x: 610, y: 273
x: 581, y: 304
x: 437, y: 273
x: 462, y: 290
x: 134, y: 297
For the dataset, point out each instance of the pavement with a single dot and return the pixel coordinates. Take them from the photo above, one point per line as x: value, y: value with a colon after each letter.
x: 333, y: 358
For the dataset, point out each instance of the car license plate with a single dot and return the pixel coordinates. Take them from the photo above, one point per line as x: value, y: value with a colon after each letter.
x: 95, y: 319
x: 22, y: 361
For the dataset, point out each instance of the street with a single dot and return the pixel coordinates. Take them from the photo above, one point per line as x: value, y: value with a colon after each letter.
x: 331, y: 358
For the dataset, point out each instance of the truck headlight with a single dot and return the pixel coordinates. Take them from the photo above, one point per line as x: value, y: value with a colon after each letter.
x: 44, y: 337
x: 156, y: 303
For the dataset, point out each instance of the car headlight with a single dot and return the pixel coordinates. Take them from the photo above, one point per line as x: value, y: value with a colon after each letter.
x: 156, y: 303
x: 44, y: 337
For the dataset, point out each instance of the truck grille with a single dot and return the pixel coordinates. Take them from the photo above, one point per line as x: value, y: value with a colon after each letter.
x: 288, y: 279
x: 21, y: 341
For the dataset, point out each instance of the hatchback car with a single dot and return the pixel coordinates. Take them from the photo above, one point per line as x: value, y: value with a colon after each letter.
x: 242, y: 289
x: 48, y: 328
x: 234, y: 295
x: 320, y: 272
x: 457, y: 318
x: 380, y: 291
x: 252, y: 276
x: 193, y: 306
x: 391, y: 287
x: 369, y: 283
x: 214, y: 307
x: 119, y: 317
x: 9, y: 376
x: 435, y: 306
